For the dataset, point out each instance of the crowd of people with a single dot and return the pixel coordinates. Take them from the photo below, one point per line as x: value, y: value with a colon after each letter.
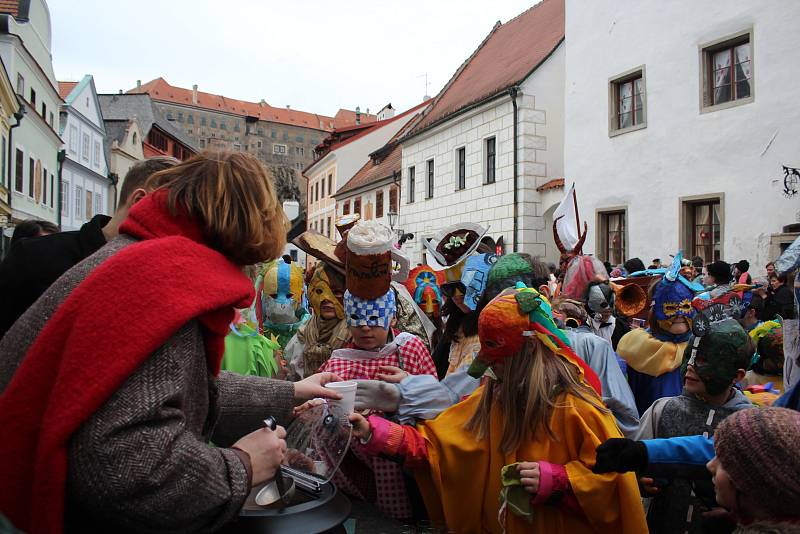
x: 494, y: 392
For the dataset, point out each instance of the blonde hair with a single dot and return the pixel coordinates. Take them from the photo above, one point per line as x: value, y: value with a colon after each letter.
x: 232, y: 196
x: 528, y: 389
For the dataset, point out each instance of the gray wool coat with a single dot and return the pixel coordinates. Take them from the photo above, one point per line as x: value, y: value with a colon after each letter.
x: 143, y: 463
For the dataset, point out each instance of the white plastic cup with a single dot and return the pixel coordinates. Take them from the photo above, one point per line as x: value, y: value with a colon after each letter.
x: 347, y: 389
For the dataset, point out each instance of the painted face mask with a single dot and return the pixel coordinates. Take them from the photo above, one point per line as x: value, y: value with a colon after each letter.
x: 718, y: 355
x: 370, y: 312
x: 475, y: 276
x: 283, y: 295
x: 600, y: 298
x: 320, y: 289
x: 673, y: 295
x: 423, y: 284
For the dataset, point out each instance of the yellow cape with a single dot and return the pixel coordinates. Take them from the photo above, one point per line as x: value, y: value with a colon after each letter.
x: 648, y: 355
x: 461, y: 481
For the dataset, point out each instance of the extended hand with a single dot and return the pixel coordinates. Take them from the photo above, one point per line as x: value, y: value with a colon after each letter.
x: 391, y: 374
x: 529, y: 476
x: 266, y: 449
x: 314, y: 386
x: 377, y: 395
x: 620, y: 455
x: 361, y: 427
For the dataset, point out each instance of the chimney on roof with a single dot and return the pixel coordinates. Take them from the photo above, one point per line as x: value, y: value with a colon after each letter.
x: 288, y: 106
x: 138, y: 84
x: 263, y: 102
x: 120, y: 91
x: 358, y: 115
x: 194, y: 94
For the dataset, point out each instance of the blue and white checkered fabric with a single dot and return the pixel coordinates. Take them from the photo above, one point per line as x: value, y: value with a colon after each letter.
x: 370, y: 312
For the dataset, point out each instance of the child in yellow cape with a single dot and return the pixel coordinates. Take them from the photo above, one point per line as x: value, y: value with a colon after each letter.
x: 517, y: 455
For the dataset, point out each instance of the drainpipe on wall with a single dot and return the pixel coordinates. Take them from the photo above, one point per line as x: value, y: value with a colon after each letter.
x: 62, y: 155
x: 18, y: 115
x: 114, y: 177
x: 513, y: 92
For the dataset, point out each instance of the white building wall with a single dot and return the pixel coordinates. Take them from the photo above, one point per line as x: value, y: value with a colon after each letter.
x: 540, y: 158
x: 369, y: 197
x: 736, y: 152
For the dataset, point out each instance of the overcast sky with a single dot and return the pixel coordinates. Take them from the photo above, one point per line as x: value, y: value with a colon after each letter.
x: 315, y: 55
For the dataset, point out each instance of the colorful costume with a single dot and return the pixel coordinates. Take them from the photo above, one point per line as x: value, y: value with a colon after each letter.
x: 460, y: 476
x: 768, y: 361
x: 715, y: 358
x: 424, y: 284
x: 281, y: 305
x: 654, y: 356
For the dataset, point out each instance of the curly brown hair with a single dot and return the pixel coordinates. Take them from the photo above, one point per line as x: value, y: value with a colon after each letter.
x: 232, y: 196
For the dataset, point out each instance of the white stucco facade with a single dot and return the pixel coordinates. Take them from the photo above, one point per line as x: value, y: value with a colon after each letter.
x: 685, y: 154
x: 340, y: 164
x: 84, y: 177
x: 368, y: 196
x: 34, y: 144
x: 540, y: 134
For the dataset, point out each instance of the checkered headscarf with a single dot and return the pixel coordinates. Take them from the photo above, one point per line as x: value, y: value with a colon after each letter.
x: 370, y: 312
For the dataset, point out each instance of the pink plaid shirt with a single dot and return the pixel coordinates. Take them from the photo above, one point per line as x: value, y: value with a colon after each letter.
x: 406, y: 351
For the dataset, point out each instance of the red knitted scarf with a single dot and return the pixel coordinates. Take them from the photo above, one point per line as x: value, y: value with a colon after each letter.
x: 120, y: 314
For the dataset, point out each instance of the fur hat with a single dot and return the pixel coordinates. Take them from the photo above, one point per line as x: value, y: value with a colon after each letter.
x: 721, y: 271
x: 758, y: 450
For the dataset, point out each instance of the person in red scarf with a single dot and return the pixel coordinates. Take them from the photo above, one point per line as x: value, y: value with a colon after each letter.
x: 110, y: 384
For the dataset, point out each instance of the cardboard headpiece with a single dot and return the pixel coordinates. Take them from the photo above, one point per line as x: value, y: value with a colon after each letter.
x: 321, y: 247
x: 451, y: 246
x: 424, y: 285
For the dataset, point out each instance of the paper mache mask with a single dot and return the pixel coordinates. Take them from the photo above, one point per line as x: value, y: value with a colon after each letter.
x: 673, y: 295
x: 321, y: 288
x: 600, y: 298
x: 283, y: 294
x: 370, y: 312
x: 424, y: 286
x: 718, y: 354
x: 475, y: 276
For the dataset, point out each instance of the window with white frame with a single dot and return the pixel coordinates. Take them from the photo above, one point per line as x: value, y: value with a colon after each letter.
x: 279, y: 149
x: 85, y: 147
x: 612, y: 245
x: 461, y: 167
x: 78, y: 202
x: 89, y: 214
x: 65, y: 198
x: 628, y: 102
x: 491, y: 159
x: 73, y: 139
x: 411, y: 183
x: 429, y: 179
x: 20, y: 84
x: 727, y: 71
x: 97, y: 156
x: 98, y: 203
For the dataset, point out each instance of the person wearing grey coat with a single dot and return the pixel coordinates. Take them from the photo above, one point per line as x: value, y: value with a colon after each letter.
x: 153, y: 458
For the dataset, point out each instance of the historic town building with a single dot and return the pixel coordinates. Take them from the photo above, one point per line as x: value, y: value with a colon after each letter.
x: 85, y: 184
x: 689, y: 144
x: 279, y: 136
x: 489, y: 149
x: 33, y: 145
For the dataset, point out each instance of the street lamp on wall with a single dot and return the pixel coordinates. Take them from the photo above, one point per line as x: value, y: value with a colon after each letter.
x: 392, y: 218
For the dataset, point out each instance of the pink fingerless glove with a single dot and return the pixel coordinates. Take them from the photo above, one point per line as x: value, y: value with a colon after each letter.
x: 555, y: 489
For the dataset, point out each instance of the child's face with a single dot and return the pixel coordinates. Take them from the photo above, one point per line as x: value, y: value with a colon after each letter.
x: 369, y: 337
x: 723, y: 487
x: 692, y: 382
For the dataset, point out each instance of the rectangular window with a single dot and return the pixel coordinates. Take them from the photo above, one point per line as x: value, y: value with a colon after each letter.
x: 88, y: 204
x: 44, y: 111
x: 379, y: 204
x: 393, y: 193
x: 323, y: 186
x: 52, y: 189
x: 3, y: 166
x: 20, y: 85
x: 180, y: 116
x: 19, y: 171
x: 328, y: 228
x: 64, y: 198
x: 279, y: 149
x: 411, y: 180
x: 491, y: 156
x: 33, y: 99
x: 85, y: 147
x: 44, y: 186
x: 203, y: 121
x: 202, y: 143
x: 705, y: 229
x: 78, y: 202
x: 259, y: 144
x: 612, y: 236
x: 461, y: 159
x: 330, y: 184
x: 429, y: 181
x: 190, y: 118
x: 97, y: 156
x: 98, y: 203
x: 727, y: 71
x: 357, y: 205
x: 73, y: 139
x: 31, y: 177
x: 51, y: 119
x: 346, y: 208
x: 628, y: 102
x: 316, y: 191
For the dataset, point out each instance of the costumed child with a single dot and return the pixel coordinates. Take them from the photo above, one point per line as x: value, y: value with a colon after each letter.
x: 370, y: 307
x: 327, y: 330
x: 713, y: 361
x: 281, y: 306
x: 453, y: 249
x: 654, y: 355
x: 516, y: 456
x: 767, y: 364
x: 424, y: 286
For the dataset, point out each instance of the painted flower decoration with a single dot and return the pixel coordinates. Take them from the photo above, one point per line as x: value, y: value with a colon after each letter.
x: 456, y: 241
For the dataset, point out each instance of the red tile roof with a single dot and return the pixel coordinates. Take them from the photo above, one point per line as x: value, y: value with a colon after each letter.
x: 9, y: 6
x: 65, y: 88
x: 160, y: 90
x: 556, y: 183
x: 371, y: 172
x: 505, y: 58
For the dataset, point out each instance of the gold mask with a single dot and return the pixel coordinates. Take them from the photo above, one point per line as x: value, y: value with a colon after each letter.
x: 319, y: 290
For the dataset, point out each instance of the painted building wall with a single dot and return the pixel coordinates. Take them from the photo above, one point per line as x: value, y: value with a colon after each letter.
x: 369, y: 202
x: 25, y: 51
x: 540, y: 158
x: 125, y: 154
x: 735, y: 154
x: 84, y: 177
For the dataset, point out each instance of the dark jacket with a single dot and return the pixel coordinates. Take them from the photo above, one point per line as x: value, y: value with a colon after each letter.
x: 780, y: 302
x: 142, y: 462
x: 33, y: 264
